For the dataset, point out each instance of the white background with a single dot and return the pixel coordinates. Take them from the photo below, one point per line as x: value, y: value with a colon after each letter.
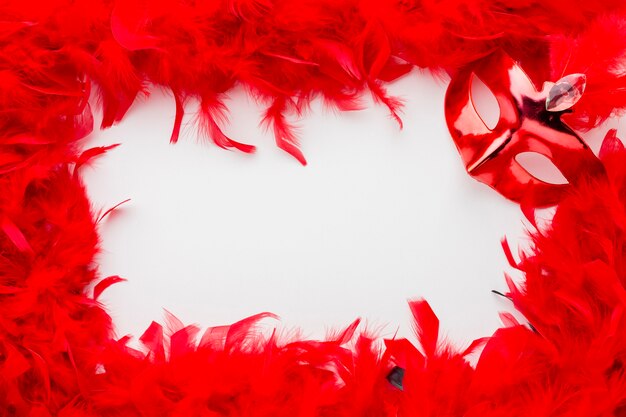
x: 379, y: 216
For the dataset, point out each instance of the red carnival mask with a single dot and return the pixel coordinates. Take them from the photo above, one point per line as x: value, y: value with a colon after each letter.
x: 530, y: 121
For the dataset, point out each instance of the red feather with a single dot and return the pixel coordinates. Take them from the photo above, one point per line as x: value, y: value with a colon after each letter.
x: 426, y: 326
x: 101, y: 286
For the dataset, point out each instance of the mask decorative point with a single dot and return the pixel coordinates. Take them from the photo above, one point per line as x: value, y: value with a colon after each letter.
x: 530, y: 121
x: 566, y: 92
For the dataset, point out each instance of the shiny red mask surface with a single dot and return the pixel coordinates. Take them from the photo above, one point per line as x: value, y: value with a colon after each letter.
x: 526, y: 124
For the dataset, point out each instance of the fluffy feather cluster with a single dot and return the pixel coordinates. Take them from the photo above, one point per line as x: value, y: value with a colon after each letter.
x: 58, y: 354
x: 283, y: 52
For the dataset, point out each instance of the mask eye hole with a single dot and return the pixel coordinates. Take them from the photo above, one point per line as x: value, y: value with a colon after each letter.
x: 541, y: 167
x: 485, y: 102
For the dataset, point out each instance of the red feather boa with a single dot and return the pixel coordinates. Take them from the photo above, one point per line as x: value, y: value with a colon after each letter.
x: 58, y: 356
